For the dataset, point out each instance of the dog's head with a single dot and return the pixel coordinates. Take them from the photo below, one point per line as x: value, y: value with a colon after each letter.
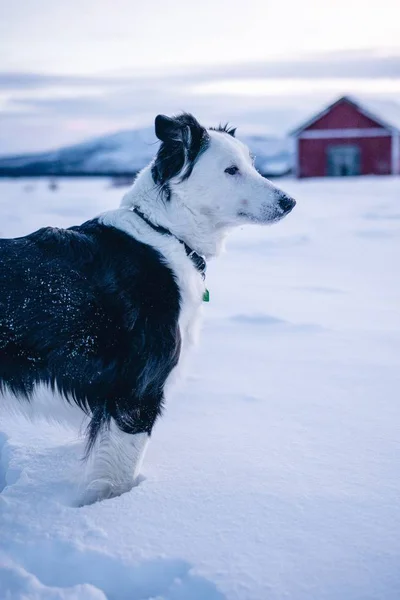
x: 211, y: 174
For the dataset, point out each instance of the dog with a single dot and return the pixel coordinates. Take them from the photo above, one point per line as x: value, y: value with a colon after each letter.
x: 98, y: 316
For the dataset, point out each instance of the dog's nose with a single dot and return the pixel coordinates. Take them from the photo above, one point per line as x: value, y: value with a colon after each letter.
x: 286, y: 203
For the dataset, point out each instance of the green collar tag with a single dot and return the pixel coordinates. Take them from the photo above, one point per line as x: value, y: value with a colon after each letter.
x: 206, y: 296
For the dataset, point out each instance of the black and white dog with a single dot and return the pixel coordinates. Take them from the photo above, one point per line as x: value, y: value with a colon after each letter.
x: 97, y: 317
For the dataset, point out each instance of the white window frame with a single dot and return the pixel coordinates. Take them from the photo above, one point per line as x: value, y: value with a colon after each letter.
x: 322, y: 134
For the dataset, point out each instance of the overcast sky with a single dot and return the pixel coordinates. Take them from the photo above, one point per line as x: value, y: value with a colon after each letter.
x: 73, y: 68
x: 93, y: 36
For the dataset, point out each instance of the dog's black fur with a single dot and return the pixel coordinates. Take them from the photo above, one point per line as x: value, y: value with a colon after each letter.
x: 93, y: 313
x: 183, y: 141
x: 225, y: 129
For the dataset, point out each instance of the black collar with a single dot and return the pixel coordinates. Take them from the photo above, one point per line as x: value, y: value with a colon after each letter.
x: 198, y: 261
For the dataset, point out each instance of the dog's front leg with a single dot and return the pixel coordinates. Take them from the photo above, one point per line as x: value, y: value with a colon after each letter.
x: 114, y: 463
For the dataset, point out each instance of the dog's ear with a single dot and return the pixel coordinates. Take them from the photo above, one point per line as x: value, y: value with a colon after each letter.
x: 171, y: 130
x: 183, y: 140
x: 166, y: 128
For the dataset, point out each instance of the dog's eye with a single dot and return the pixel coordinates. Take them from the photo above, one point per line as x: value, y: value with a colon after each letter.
x: 232, y: 170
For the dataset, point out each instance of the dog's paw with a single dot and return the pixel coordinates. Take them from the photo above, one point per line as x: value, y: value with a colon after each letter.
x: 97, y: 491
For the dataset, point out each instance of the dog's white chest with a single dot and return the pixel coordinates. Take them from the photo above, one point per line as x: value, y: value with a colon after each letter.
x: 191, y: 290
x: 191, y: 287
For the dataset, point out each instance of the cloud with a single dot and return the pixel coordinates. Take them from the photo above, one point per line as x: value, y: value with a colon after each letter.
x: 41, y: 111
x: 352, y: 64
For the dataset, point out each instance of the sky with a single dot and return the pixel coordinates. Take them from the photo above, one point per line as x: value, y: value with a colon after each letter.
x: 69, y: 70
x: 93, y: 36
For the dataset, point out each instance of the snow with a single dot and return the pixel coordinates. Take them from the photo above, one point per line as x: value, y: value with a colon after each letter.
x: 274, y: 472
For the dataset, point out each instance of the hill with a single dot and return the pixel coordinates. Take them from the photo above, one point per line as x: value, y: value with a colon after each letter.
x: 125, y: 153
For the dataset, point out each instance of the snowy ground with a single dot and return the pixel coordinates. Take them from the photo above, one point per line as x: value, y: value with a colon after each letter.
x: 275, y: 471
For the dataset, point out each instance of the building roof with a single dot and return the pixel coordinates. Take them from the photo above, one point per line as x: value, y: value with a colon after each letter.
x: 383, y: 111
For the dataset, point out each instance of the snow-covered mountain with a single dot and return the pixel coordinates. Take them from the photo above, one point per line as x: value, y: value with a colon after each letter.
x: 127, y: 152
x: 122, y: 152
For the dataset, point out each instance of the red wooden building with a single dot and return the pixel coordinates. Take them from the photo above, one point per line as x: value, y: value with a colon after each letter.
x: 349, y: 137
